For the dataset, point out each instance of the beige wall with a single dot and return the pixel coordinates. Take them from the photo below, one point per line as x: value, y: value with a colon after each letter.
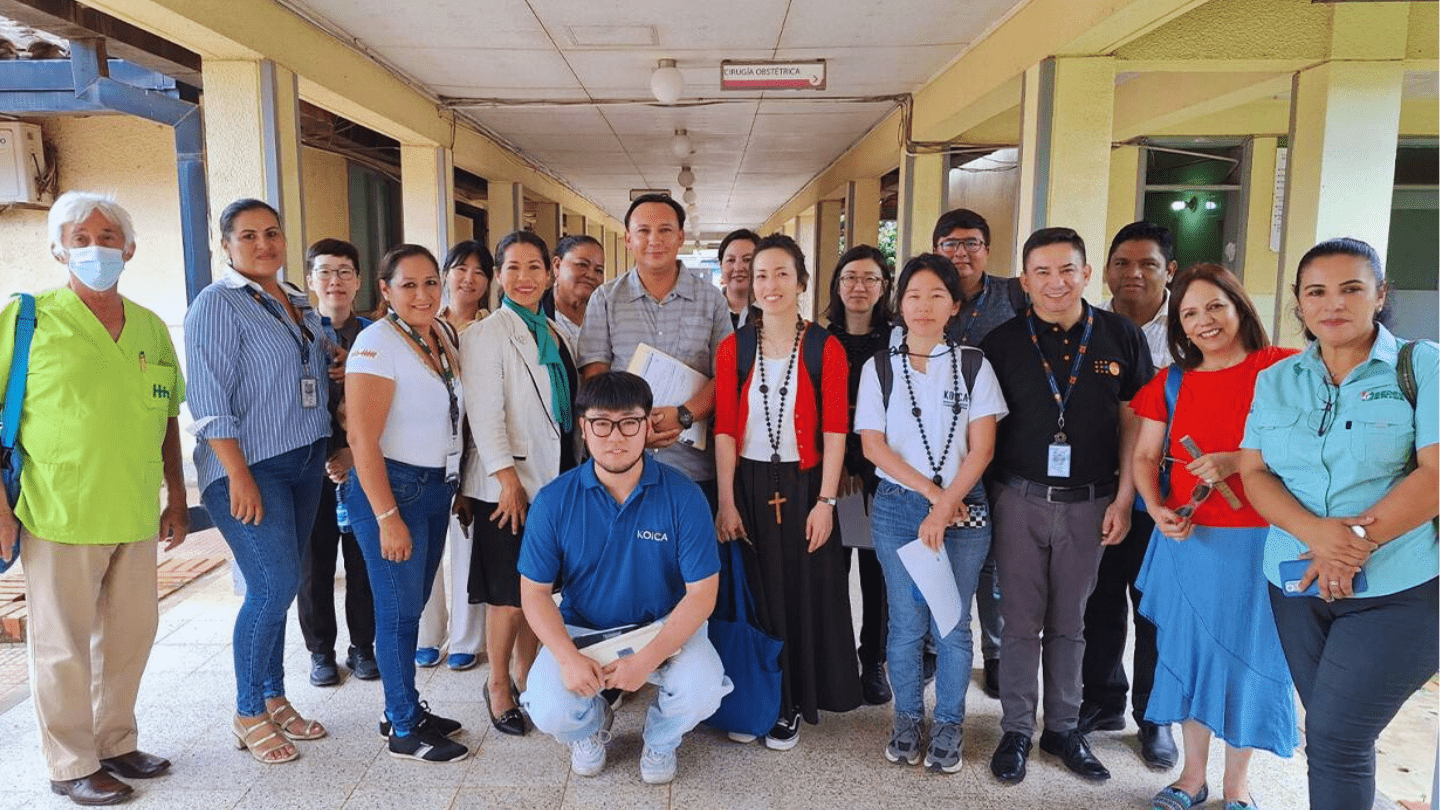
x: 987, y: 186
x: 326, y: 185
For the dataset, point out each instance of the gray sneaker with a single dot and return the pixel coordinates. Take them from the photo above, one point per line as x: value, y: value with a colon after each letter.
x: 587, y: 756
x: 944, y: 753
x: 904, y: 744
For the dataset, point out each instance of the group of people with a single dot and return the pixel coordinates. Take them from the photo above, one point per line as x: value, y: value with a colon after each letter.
x: 1266, y: 515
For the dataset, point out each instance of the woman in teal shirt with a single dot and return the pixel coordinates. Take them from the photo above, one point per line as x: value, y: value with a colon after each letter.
x: 1344, y: 467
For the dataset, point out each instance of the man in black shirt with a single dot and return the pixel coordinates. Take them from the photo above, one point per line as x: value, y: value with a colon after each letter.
x: 1063, y: 489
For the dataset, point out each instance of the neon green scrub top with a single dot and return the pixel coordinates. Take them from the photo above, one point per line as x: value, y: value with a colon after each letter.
x: 93, y: 420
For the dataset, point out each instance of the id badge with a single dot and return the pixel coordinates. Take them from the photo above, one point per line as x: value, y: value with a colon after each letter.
x: 1059, y: 463
x: 452, y: 466
x: 309, y: 392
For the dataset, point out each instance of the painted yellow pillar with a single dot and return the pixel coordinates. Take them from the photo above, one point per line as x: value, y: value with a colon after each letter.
x: 1259, y: 262
x: 547, y: 223
x: 824, y: 254
x: 1067, y: 114
x: 1127, y: 190
x: 614, y: 253
x: 252, y: 145
x: 574, y: 224
x: 862, y: 212
x: 505, y: 209
x: 924, y: 185
x: 427, y: 196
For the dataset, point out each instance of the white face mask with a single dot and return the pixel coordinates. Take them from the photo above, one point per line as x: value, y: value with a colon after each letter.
x: 97, y: 267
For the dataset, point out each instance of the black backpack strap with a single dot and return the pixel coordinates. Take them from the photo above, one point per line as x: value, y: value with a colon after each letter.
x: 970, y: 359
x: 812, y: 356
x: 1405, y: 372
x: 1019, y: 301
x: 745, y: 340
x: 885, y: 375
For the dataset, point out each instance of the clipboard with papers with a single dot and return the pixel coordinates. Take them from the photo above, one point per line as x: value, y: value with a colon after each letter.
x: 672, y: 383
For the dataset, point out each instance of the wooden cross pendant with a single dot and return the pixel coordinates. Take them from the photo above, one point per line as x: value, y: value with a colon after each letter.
x: 775, y: 502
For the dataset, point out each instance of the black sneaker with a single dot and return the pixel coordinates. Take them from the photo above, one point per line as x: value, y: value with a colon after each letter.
x: 444, y: 725
x: 362, y: 664
x: 785, y: 733
x: 323, y: 671
x: 426, y: 744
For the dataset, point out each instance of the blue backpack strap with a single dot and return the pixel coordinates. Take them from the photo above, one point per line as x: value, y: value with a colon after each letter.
x: 1173, y: 376
x: 19, y: 370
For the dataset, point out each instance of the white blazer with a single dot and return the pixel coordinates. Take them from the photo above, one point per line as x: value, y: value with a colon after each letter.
x: 512, y: 423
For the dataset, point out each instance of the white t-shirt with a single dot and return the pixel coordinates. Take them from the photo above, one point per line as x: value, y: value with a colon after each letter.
x: 757, y: 437
x: 936, y: 391
x: 417, y: 429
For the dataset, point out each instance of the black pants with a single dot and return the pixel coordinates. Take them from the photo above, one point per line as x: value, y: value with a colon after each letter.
x: 1106, y: 616
x: 1354, y: 662
x: 874, y: 612
x: 316, y: 600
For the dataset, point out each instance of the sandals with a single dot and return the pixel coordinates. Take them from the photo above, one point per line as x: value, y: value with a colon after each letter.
x: 290, y: 723
x: 1173, y: 798
x: 263, y: 739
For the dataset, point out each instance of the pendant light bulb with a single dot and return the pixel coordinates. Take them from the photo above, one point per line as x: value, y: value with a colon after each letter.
x: 689, y: 195
x: 686, y: 177
x: 680, y: 145
x: 667, y: 82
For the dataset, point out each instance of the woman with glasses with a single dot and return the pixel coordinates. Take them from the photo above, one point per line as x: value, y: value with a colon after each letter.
x: 1221, y: 670
x: 520, y: 373
x: 1340, y: 456
x: 859, y: 317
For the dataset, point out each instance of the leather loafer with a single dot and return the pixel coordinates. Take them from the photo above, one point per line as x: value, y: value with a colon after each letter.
x: 1094, y: 718
x: 323, y: 671
x: 136, y: 765
x: 1074, y: 751
x: 362, y: 664
x: 99, y: 788
x: 992, y: 677
x: 1008, y: 762
x: 1157, y: 746
x: 874, y: 687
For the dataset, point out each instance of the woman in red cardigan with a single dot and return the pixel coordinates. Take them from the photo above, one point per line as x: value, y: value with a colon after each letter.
x: 779, y: 451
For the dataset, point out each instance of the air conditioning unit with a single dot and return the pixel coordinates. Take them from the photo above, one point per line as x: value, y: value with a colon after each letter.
x: 22, y: 164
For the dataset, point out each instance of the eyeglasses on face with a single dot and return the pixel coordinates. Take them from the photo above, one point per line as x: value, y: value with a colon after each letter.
x: 629, y: 426
x: 971, y: 245
x: 870, y: 282
x: 344, y: 274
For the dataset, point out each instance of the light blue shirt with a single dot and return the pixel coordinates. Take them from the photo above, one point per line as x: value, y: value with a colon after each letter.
x: 1370, y: 432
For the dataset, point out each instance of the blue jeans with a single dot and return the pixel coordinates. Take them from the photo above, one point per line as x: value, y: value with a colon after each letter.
x: 896, y: 515
x: 268, y: 555
x: 401, y: 588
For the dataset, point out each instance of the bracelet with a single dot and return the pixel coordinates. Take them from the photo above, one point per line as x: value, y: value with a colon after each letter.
x: 387, y: 513
x: 830, y: 501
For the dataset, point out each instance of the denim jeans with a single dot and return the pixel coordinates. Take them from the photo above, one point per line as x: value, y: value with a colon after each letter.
x: 896, y: 514
x: 401, y: 588
x: 690, y: 688
x: 268, y: 556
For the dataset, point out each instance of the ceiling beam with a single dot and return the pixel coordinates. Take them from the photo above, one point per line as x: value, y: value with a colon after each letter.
x: 1155, y: 101
x: 70, y: 20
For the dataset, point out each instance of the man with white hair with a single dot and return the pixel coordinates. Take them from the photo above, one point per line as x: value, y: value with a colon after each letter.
x: 99, y: 436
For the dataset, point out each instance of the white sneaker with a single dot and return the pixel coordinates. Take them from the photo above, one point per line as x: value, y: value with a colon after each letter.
x: 587, y: 756
x: 657, y: 768
x: 741, y: 737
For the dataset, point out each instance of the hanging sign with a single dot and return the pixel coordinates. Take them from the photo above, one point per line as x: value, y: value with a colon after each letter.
x: 806, y: 74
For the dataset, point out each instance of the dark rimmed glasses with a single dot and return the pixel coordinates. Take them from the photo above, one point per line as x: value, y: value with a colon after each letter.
x: 971, y: 245
x: 629, y: 426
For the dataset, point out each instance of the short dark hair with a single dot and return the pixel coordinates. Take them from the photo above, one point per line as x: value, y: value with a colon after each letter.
x: 615, y: 391
x: 466, y: 249
x: 574, y: 240
x: 1344, y: 246
x: 880, y: 315
x: 740, y: 234
x: 935, y: 263
x: 1051, y: 236
x: 1148, y: 232
x: 779, y: 241
x: 513, y: 238
x: 1252, y: 333
x: 664, y: 199
x: 399, y: 253
x: 959, y: 219
x: 331, y: 247
x: 240, y: 206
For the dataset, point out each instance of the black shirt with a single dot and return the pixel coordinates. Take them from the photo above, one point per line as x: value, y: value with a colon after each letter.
x: 1117, y: 364
x: 858, y: 349
x: 345, y: 336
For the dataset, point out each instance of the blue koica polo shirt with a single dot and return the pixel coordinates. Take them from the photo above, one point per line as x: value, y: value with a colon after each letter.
x: 619, y: 563
x: 1369, y: 433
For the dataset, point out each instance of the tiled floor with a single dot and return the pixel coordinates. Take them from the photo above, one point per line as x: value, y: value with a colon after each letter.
x: 188, y: 697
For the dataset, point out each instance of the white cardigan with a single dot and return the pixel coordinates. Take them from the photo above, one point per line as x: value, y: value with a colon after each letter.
x: 510, y: 411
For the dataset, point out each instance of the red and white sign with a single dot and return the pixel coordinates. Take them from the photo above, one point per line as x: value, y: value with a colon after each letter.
x: 802, y: 75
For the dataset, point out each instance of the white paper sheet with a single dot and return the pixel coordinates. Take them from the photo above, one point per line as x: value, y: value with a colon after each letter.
x: 932, y: 574
x: 672, y: 383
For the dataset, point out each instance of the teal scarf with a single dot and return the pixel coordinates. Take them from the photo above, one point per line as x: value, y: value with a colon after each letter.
x: 550, y: 358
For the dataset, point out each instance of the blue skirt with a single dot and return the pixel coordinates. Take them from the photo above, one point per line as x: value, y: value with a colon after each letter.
x: 1220, y: 661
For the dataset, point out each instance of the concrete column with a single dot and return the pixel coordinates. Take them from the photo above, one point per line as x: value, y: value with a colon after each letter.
x: 505, y: 208
x: 252, y: 144
x: 924, y: 185
x: 614, y: 254
x: 427, y: 194
x: 804, y: 236
x: 595, y: 229
x: 1258, y: 263
x: 1127, y: 190
x: 862, y: 212
x: 574, y: 224
x: 824, y: 253
x: 547, y: 223
x: 1067, y: 112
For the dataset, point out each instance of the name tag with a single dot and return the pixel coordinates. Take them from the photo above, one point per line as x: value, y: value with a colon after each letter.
x: 309, y: 392
x: 452, y: 466
x: 1059, y: 461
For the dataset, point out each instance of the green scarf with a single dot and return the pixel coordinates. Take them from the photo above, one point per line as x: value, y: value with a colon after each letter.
x: 550, y: 358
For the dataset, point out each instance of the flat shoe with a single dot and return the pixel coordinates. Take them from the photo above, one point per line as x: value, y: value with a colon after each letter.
x: 510, y: 722
x: 136, y: 765
x: 1173, y: 798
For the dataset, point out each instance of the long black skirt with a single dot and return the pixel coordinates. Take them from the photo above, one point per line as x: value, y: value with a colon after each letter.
x: 801, y: 598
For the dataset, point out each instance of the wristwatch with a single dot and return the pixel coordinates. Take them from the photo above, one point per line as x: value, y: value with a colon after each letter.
x: 686, y: 418
x: 831, y: 501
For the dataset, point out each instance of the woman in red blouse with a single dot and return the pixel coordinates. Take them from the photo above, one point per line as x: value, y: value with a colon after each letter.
x: 779, y: 451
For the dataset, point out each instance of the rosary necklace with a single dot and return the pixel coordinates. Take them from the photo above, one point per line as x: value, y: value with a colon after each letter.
x: 772, y: 429
x: 955, y: 409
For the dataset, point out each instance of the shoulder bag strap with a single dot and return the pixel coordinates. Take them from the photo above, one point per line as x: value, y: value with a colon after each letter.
x: 19, y: 370
x: 1173, y: 376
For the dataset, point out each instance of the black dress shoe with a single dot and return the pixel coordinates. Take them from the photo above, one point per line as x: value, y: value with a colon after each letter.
x: 323, y: 671
x: 136, y: 765
x: 992, y: 677
x: 362, y: 664
x: 1157, y: 746
x: 1094, y: 718
x: 1074, y: 751
x: 874, y: 686
x: 98, y: 788
x: 1008, y: 762
x: 510, y: 722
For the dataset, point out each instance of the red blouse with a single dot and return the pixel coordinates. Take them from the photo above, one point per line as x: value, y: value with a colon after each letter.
x: 731, y: 408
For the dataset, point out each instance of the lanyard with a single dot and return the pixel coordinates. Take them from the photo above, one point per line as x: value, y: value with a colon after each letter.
x: 261, y: 299
x: 1074, y: 367
x: 447, y: 374
x: 975, y: 312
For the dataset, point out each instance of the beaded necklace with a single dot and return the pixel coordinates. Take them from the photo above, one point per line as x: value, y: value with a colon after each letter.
x: 955, y: 409
x: 772, y: 429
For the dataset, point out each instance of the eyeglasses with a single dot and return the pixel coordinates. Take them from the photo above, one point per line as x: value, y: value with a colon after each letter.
x: 629, y: 426
x: 1323, y: 419
x: 1198, y: 495
x: 344, y: 274
x: 971, y: 245
x: 870, y: 282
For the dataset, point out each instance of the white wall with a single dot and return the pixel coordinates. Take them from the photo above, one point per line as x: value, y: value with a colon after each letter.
x: 988, y: 186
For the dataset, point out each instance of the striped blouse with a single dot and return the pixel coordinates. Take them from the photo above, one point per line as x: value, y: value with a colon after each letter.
x: 244, y: 366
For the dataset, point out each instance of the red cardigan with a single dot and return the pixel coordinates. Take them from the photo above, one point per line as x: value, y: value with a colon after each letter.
x: 731, y: 409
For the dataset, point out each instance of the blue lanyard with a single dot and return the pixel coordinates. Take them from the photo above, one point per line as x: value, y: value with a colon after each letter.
x: 1074, y: 367
x: 975, y: 313
x: 264, y: 303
